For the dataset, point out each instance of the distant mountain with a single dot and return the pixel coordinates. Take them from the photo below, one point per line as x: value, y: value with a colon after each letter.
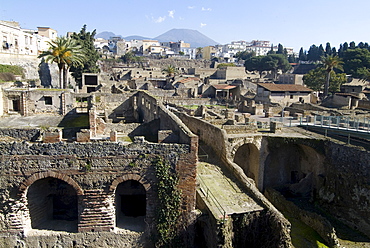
x: 106, y: 35
x: 194, y: 37
x: 136, y: 37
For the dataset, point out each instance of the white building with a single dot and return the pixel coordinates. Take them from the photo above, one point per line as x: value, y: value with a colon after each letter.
x: 18, y: 41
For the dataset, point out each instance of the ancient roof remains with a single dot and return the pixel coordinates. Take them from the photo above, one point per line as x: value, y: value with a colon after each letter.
x: 284, y: 87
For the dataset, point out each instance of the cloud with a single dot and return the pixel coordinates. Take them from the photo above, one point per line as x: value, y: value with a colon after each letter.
x: 206, y: 9
x: 159, y: 19
x: 171, y: 13
x: 202, y: 25
x: 191, y: 7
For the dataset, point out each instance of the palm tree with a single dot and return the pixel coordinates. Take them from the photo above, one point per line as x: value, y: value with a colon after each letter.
x: 170, y: 70
x: 65, y: 52
x: 330, y: 63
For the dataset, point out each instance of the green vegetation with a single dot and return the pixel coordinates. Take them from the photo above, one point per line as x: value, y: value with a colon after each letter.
x: 65, y: 52
x: 87, y: 166
x: 330, y: 62
x: 14, y: 69
x: 356, y: 58
x: 130, y: 57
x: 271, y: 62
x: 317, y: 78
x: 7, y: 72
x: 303, y: 235
x: 225, y: 65
x: 81, y: 120
x: 168, y: 212
x: 170, y: 70
x: 89, y: 64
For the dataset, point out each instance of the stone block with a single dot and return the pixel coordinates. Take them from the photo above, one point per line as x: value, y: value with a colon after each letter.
x: 269, y: 114
x: 167, y: 136
x: 52, y: 136
x: 230, y: 114
x: 276, y: 126
x: 84, y: 135
x: 113, y: 136
x: 239, y: 118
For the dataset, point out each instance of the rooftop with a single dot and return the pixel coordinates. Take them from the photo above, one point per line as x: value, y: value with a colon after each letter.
x: 223, y: 86
x: 284, y: 87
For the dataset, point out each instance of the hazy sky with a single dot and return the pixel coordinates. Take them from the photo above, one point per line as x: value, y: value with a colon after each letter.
x: 292, y: 23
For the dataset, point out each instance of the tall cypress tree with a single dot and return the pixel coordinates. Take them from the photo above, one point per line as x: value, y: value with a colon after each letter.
x: 302, y: 55
x: 313, y: 54
x: 321, y: 51
x: 352, y: 45
x: 86, y: 40
x: 328, y: 50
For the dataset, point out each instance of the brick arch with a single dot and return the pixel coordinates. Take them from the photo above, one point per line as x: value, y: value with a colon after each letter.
x: 37, y: 176
x: 240, y: 143
x: 127, y: 177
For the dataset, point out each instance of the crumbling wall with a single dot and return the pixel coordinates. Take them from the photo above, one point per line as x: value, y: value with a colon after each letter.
x: 94, y: 170
x: 321, y: 225
x: 346, y: 190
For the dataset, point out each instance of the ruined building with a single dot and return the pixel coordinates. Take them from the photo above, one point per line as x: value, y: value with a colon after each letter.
x: 103, y: 169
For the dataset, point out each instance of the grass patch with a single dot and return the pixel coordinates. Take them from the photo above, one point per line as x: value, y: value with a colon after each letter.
x: 125, y: 139
x: 70, y: 121
x: 14, y: 69
x: 303, y: 235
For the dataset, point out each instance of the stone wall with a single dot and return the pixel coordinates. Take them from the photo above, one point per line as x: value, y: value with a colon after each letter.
x: 93, y: 170
x: 216, y: 139
x: 321, y: 225
x: 346, y: 191
x: 47, y: 74
x: 364, y: 104
x: 31, y: 134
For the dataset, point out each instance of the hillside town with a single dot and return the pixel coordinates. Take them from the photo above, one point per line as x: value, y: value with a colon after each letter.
x: 148, y: 143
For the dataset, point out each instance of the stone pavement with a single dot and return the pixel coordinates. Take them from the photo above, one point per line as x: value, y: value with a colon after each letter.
x: 221, y: 194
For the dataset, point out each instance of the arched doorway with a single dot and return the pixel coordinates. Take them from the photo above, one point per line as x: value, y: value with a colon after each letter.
x: 293, y: 167
x: 130, y: 205
x: 247, y: 157
x: 53, y: 205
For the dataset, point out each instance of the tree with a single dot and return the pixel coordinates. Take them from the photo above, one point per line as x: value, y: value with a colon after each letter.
x: 245, y: 55
x: 321, y: 51
x: 271, y: 50
x: 330, y: 63
x: 292, y: 59
x: 271, y: 62
x: 328, y: 50
x: 316, y: 79
x: 66, y: 53
x: 334, y: 51
x: 280, y: 49
x: 86, y: 40
x: 170, y: 70
x: 356, y: 62
x: 313, y: 54
x: 352, y: 45
x: 255, y: 64
x: 302, y: 55
x: 275, y: 62
x: 128, y: 58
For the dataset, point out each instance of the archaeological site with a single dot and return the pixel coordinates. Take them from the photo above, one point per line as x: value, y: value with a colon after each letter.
x: 203, y: 156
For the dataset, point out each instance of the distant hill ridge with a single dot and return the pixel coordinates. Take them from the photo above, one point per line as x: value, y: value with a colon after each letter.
x: 194, y: 37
